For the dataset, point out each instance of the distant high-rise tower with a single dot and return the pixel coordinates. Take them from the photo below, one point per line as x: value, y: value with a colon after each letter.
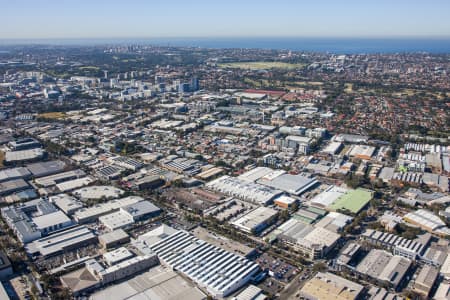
x: 195, y: 84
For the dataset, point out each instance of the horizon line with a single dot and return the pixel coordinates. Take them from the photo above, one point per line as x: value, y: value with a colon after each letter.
x: 389, y: 37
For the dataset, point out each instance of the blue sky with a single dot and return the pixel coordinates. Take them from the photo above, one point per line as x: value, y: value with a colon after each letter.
x: 27, y: 19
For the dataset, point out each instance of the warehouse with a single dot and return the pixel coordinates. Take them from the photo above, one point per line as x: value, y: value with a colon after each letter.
x: 141, y: 210
x: 23, y: 144
x: 52, y: 180
x: 313, y: 242
x: 12, y: 157
x: 147, y: 182
x: 210, y: 173
x: 47, y: 168
x: 428, y: 221
x: 91, y: 214
x: 219, y: 271
x: 333, y: 148
x: 66, y: 203
x: 116, y: 220
x: 98, y: 192
x: 94, y: 274
x: 411, y: 249
x: 385, y: 267
x: 61, y: 241
x: 292, y: 184
x: 362, y: 151
x: 130, y: 214
x: 127, y: 163
x: 255, y: 174
x: 14, y: 173
x: 113, y: 238
x: 158, y: 283
x: 285, y: 202
x: 256, y: 220
x: 425, y: 280
x: 334, y: 221
x: 247, y: 191
x: 330, y: 286
x: 12, y: 186
x: 109, y: 172
x: 328, y: 197
x: 34, y: 219
x: 70, y: 185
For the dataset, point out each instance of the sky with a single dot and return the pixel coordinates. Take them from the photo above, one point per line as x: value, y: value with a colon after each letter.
x: 54, y: 19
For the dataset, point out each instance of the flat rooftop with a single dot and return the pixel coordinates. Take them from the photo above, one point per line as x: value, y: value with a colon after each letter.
x: 158, y: 283
x: 353, y: 200
x: 221, y: 241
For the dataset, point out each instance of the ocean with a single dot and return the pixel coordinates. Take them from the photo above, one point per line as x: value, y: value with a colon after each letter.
x: 331, y: 45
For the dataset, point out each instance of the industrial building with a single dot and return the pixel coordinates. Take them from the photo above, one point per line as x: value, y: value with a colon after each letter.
x: 385, y: 267
x: 129, y: 214
x: 334, y: 221
x: 425, y: 280
x: 247, y: 191
x: 113, y: 238
x: 47, y: 168
x: 333, y: 148
x: 285, y: 202
x: 146, y: 182
x: 428, y: 221
x: 68, y: 204
x: 325, y: 286
x: 256, y: 220
x: 126, y: 162
x: 71, y: 185
x: 91, y: 214
x: 300, y: 143
x: 98, y: 192
x: 445, y: 268
x: 14, y: 173
x: 292, y: 184
x: 158, y: 283
x: 218, y: 271
x: 52, y: 180
x: 336, y: 198
x: 13, y: 157
x: 362, y: 151
x: 61, y: 241
x: 313, y: 242
x: 23, y: 144
x: 411, y: 249
x: 34, y: 219
x: 13, y: 186
x: 96, y: 274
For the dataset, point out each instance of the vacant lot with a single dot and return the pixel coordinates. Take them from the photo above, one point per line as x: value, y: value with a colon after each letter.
x: 260, y: 65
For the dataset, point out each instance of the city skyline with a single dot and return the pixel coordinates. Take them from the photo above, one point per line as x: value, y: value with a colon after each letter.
x: 147, y: 19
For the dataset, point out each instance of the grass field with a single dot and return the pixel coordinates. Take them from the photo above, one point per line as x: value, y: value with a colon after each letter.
x: 260, y: 65
x: 52, y: 115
